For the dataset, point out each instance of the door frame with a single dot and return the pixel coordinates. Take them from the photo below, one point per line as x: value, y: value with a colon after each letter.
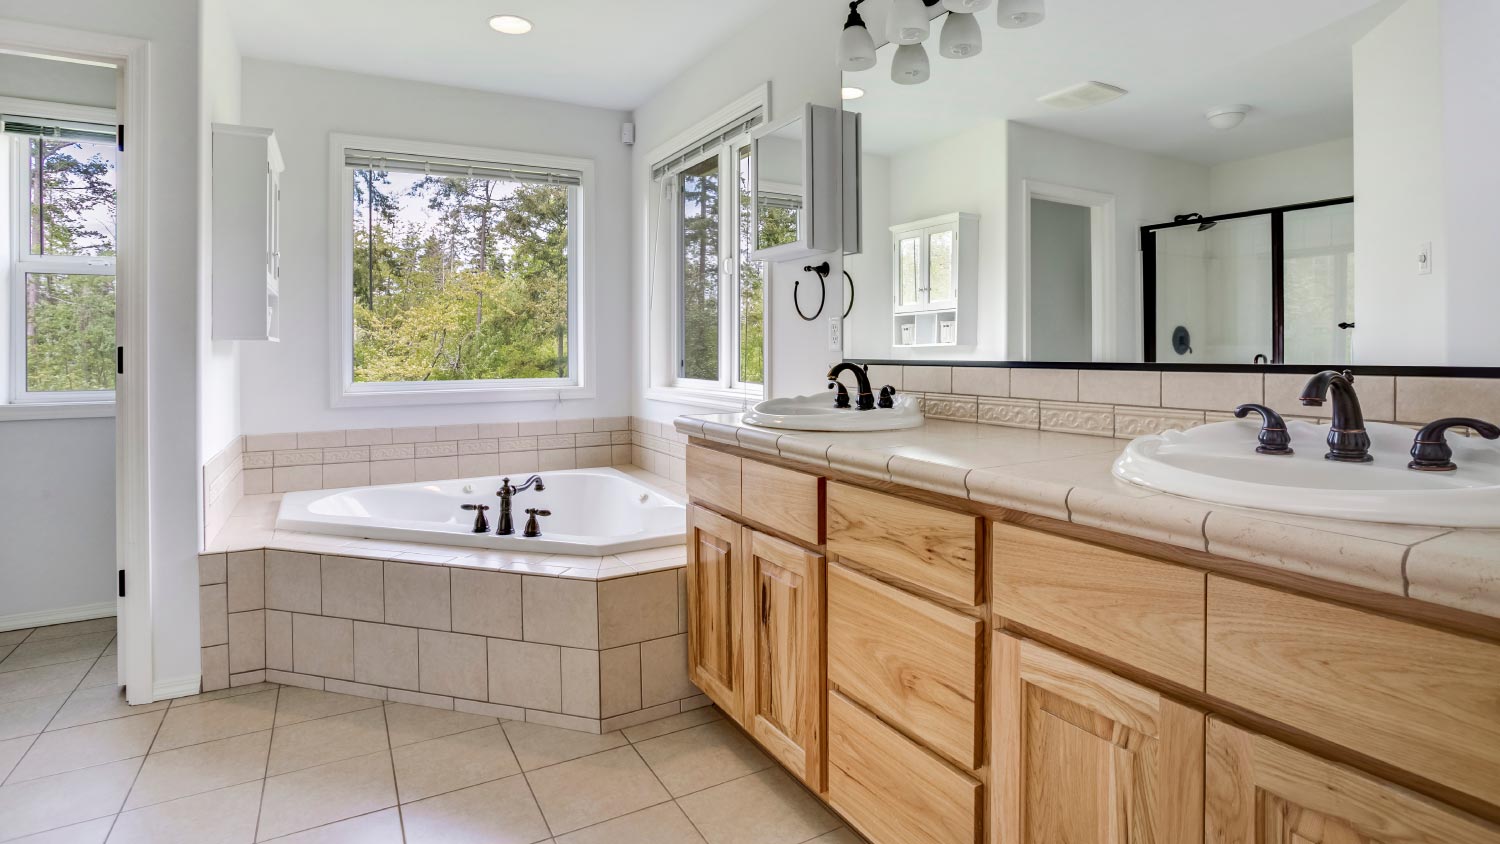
x: 1103, y: 292
x: 132, y: 270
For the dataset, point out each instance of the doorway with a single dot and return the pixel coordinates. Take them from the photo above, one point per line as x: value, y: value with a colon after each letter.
x: 1068, y: 297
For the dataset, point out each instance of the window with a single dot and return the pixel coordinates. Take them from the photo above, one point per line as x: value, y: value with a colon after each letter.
x: 61, y: 186
x: 462, y: 270
x: 720, y: 291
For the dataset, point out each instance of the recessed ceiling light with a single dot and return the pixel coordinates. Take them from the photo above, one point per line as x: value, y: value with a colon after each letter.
x: 851, y: 93
x: 510, y: 24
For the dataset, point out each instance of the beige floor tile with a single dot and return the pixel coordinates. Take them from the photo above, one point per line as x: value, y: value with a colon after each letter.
x: 30, y: 654
x: 102, y: 674
x: 663, y: 824
x: 226, y: 816
x: 458, y: 761
x: 199, y: 768
x: 296, y: 705
x: 11, y: 751
x: 98, y: 703
x: 596, y: 788
x: 88, y: 832
x: 838, y: 836
x: 49, y: 680
x: 5, y: 651
x: 501, y: 812
x: 52, y: 802
x: 30, y: 716
x: 87, y: 746
x: 317, y: 796
x: 383, y: 827
x: 221, y: 694
x: 694, y: 759
x: 15, y: 637
x: 672, y: 724
x: 764, y: 808
x: 313, y: 743
x: 75, y: 628
x: 410, y: 724
x: 217, y: 719
x: 537, y: 745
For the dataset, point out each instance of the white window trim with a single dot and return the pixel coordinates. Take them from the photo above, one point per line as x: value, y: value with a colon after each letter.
x: 16, y: 404
x: 662, y: 337
x: 581, y: 336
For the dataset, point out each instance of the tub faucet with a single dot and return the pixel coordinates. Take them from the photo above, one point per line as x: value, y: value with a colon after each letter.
x: 1347, y: 440
x: 505, y: 526
x: 866, y: 400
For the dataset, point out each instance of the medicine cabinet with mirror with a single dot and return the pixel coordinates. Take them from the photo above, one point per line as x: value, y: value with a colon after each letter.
x: 1302, y: 187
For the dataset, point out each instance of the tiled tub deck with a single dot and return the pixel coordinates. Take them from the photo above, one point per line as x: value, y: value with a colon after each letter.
x: 585, y: 643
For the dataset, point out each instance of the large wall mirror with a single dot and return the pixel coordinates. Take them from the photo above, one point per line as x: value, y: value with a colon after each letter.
x: 1167, y: 183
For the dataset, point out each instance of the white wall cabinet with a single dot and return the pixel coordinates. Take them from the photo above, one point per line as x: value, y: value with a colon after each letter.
x: 246, y: 245
x: 934, y: 267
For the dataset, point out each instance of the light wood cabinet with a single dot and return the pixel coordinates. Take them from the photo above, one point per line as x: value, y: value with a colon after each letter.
x: 1081, y: 755
x: 1261, y: 791
x: 783, y: 640
x: 789, y: 501
x: 715, y: 597
x: 713, y: 478
x: 932, y: 549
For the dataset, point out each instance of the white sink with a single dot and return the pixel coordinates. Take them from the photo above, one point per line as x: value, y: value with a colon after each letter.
x: 1219, y: 463
x: 817, y: 413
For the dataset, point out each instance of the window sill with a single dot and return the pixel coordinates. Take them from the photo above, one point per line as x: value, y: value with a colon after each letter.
x: 458, y: 395
x: 59, y: 410
x: 724, y: 401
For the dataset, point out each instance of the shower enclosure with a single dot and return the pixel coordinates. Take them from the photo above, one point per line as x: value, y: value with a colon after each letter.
x: 1273, y: 285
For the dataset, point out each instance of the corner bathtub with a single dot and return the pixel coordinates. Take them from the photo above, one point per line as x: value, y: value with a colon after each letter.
x: 594, y: 512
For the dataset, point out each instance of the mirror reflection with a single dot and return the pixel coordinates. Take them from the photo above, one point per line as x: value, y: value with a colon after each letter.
x: 1211, y: 183
x: 779, y: 185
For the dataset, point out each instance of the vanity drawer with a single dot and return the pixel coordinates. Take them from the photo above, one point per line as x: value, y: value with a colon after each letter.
x: 1417, y: 698
x: 713, y: 478
x: 913, y: 663
x: 789, y: 501
x: 1141, y: 611
x: 894, y: 791
x: 929, y: 547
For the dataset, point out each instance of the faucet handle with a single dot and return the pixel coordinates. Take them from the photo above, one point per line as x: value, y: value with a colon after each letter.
x: 1274, y: 438
x: 887, y: 397
x: 842, y: 398
x: 1430, y: 451
x: 481, y: 524
x: 532, y: 528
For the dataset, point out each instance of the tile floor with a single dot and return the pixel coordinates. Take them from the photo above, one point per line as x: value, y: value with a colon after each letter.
x: 267, y: 762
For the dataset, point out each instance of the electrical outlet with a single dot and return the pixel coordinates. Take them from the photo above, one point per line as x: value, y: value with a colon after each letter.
x: 1424, y: 258
x: 835, y: 333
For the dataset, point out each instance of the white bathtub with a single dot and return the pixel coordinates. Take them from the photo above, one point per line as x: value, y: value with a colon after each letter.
x: 594, y: 512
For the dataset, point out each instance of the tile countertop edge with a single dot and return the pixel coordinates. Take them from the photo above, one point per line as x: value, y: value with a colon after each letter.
x: 1459, y: 568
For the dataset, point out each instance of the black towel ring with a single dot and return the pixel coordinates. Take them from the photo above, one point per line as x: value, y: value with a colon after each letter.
x: 822, y: 270
x: 849, y: 308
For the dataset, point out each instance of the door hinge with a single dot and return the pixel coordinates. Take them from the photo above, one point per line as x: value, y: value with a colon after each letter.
x: 120, y: 136
x: 119, y: 360
x: 122, y: 583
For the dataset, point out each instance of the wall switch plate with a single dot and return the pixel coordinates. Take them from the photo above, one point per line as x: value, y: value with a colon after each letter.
x: 835, y: 333
x: 1424, y: 258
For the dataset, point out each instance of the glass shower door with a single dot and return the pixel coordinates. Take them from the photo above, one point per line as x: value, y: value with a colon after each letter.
x: 1319, y: 322
x: 1216, y: 283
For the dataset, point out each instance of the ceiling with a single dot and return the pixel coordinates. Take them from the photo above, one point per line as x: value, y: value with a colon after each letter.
x: 1288, y: 59
x: 606, y: 53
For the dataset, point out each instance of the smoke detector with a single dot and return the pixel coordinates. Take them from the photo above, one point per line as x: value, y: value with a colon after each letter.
x: 1227, y: 117
x: 1083, y: 95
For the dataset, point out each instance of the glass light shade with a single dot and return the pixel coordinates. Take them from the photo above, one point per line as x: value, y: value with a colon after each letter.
x: 856, y: 49
x: 910, y: 65
x: 961, y: 37
x: 966, y: 7
x: 907, y: 22
x: 1019, y: 14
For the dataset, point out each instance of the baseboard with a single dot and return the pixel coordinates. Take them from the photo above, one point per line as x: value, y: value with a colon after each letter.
x: 21, y: 621
x: 181, y: 687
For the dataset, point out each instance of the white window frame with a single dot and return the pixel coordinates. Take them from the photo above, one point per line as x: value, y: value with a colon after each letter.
x: 347, y: 393
x: 16, y: 402
x: 662, y: 307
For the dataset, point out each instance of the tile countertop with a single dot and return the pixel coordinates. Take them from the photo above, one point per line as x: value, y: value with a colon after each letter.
x: 1067, y: 477
x: 253, y: 527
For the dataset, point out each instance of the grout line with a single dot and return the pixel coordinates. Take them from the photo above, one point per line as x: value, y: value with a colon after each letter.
x: 137, y: 778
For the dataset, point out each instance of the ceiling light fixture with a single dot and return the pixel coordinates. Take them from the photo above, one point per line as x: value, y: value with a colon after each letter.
x: 967, y: 7
x: 856, y: 45
x: 510, y: 24
x: 1227, y: 117
x: 910, y: 66
x: 961, y: 37
x: 1019, y: 14
x: 849, y: 92
x: 907, y: 22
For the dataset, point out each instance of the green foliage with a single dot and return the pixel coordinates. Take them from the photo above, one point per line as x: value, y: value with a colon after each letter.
x: 699, y: 195
x: 475, y: 288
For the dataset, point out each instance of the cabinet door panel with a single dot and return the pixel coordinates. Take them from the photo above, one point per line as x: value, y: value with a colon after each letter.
x: 715, y: 587
x: 1081, y: 755
x: 784, y: 666
x: 1261, y: 791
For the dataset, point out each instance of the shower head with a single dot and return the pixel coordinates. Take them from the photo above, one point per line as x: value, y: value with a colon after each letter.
x: 1203, y: 225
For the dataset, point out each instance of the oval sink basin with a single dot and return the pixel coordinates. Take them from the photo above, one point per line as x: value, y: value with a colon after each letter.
x: 1219, y: 463
x: 817, y: 413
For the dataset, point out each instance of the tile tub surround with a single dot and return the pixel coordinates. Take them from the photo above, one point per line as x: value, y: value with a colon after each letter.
x: 223, y: 486
x: 1066, y: 476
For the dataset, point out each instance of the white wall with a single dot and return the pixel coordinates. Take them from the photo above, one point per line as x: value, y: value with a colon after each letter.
x: 285, y: 386
x: 792, y: 46
x: 56, y: 81
x: 1304, y: 174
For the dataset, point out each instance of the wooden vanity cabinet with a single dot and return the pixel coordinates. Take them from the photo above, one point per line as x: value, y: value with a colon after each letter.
x: 1080, y: 754
x: 716, y: 583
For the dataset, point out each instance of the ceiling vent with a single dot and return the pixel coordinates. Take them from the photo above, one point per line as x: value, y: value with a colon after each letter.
x: 1083, y: 95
